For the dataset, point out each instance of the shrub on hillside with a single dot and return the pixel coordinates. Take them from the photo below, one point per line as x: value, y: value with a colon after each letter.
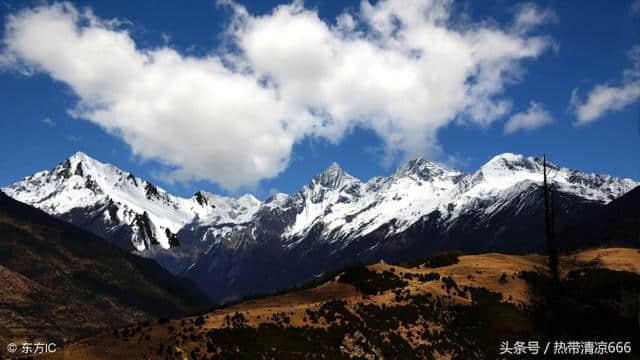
x: 436, y: 259
x: 370, y: 282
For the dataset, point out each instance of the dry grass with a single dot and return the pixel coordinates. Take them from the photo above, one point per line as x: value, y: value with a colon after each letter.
x: 474, y: 271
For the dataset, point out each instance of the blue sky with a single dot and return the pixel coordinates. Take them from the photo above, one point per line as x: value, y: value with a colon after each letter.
x: 588, y: 45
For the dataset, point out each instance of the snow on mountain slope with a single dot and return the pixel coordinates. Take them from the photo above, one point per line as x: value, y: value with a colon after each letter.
x: 336, y: 220
x: 507, y: 175
x: 348, y: 208
x: 152, y: 215
x: 506, y: 170
x: 356, y: 208
x: 334, y: 209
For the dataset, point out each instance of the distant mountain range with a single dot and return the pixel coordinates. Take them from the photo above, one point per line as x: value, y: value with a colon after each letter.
x: 236, y: 247
x: 60, y: 282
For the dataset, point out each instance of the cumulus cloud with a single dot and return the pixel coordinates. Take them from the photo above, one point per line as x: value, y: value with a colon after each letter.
x: 605, y: 98
x: 403, y: 69
x: 534, y: 117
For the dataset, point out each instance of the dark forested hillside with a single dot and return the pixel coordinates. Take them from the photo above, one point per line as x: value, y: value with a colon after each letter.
x: 60, y: 282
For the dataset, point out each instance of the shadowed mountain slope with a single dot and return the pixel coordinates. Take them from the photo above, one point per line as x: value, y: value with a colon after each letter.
x: 60, y: 282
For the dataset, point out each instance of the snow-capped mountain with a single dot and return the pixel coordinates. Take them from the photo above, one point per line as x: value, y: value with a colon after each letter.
x: 235, y: 247
x: 336, y: 220
x: 348, y: 208
x: 123, y: 208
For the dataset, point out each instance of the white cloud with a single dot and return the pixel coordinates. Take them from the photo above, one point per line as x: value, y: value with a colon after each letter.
x: 534, y: 117
x: 529, y: 16
x: 402, y: 69
x: 604, y: 98
x: 47, y: 121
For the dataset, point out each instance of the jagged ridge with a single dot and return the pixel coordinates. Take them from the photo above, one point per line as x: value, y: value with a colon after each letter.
x: 333, y: 220
x: 121, y: 207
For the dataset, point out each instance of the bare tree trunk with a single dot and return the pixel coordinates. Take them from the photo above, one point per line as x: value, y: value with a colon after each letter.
x: 552, y: 250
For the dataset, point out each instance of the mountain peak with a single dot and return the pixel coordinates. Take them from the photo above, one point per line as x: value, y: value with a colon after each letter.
x: 80, y: 156
x: 332, y: 177
x: 511, y: 158
x: 248, y: 198
x: 514, y: 162
x: 507, y: 156
x: 506, y: 170
x: 333, y: 167
x: 76, y: 164
x: 421, y: 167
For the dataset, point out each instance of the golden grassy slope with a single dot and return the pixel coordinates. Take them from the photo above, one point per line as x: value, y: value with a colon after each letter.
x: 483, y: 270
